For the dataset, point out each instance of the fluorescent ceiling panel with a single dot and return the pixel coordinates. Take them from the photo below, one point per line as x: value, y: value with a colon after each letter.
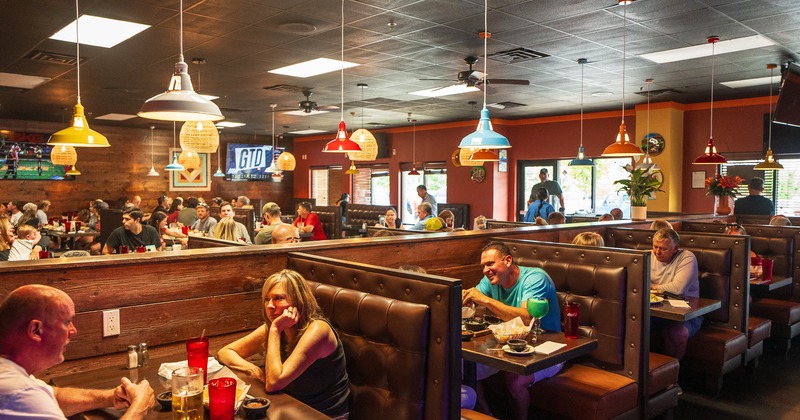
x: 760, y: 81
x: 302, y: 113
x: 704, y: 50
x: 449, y: 90
x: 229, y: 124
x: 21, y: 81
x: 100, y: 32
x: 313, y: 67
x: 307, y: 131
x: 116, y: 117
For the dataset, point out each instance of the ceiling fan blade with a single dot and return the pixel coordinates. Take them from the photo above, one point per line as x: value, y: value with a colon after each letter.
x: 477, y: 75
x: 441, y: 80
x: 326, y: 108
x: 507, y: 82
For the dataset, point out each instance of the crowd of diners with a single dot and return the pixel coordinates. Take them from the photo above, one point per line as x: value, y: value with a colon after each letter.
x: 303, y: 354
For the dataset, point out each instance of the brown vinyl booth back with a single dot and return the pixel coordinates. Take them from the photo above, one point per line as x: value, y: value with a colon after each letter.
x: 755, y: 219
x: 197, y: 242
x: 500, y: 224
x: 331, y: 219
x: 381, y: 231
x: 460, y: 214
x: 723, y: 262
x: 401, y: 333
x: 358, y: 214
x: 109, y: 220
x: 611, y: 286
x: 247, y: 217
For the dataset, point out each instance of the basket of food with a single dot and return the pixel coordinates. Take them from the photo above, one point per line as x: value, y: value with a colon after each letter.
x: 508, y: 330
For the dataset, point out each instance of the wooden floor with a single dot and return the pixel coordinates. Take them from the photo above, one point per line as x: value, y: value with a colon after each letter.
x: 771, y: 392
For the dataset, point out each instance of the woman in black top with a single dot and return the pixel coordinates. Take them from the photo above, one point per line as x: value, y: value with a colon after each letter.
x: 342, y: 202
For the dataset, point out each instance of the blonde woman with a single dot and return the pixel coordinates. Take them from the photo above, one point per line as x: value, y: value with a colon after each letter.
x: 6, y: 237
x: 226, y: 229
x: 659, y: 224
x: 588, y: 239
x: 304, y: 355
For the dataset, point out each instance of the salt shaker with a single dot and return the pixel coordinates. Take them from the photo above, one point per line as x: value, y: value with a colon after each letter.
x: 133, y: 357
x: 144, y: 355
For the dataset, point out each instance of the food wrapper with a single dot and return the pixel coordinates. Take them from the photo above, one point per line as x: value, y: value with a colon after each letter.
x: 510, y: 329
x: 467, y: 311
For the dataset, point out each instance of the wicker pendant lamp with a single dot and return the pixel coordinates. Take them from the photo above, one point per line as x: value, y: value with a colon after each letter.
x: 63, y: 155
x: 189, y: 159
x: 365, y: 139
x: 199, y: 136
x: 464, y: 155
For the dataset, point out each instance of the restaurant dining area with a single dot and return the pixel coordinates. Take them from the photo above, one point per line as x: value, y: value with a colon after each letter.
x: 421, y: 209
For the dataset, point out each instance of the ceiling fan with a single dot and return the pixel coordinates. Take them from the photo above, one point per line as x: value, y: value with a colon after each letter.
x: 474, y: 78
x: 308, y: 106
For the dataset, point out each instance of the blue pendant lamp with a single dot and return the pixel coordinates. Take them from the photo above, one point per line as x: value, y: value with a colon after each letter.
x: 484, y: 137
x: 581, y: 160
x: 174, y: 166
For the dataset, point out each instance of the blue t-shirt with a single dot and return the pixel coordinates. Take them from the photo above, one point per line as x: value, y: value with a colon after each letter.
x: 532, y: 283
x: 534, y: 210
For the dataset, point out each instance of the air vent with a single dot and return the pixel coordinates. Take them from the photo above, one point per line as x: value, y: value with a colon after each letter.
x: 230, y: 110
x: 504, y: 105
x: 375, y: 124
x: 283, y: 88
x: 657, y: 92
x: 517, y: 55
x: 51, y: 57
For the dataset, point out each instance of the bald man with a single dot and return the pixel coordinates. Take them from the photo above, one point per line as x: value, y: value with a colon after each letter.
x: 285, y: 233
x: 35, y: 328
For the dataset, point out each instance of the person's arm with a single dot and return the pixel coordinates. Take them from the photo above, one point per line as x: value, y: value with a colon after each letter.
x: 233, y: 355
x: 685, y: 274
x: 503, y: 311
x: 138, y: 399
x: 317, y: 342
x: 561, y: 202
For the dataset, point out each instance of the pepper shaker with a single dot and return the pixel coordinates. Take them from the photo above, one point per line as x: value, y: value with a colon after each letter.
x: 144, y: 355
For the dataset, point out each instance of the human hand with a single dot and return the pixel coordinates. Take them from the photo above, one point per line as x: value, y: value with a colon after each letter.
x: 287, y: 319
x: 473, y: 295
x: 34, y: 255
x: 561, y: 210
x: 138, y: 398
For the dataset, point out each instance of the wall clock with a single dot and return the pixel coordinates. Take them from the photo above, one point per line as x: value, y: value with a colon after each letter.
x: 455, y: 158
x: 477, y: 174
x: 653, y: 143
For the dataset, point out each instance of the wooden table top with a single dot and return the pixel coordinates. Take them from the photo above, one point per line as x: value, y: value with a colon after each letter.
x: 760, y: 286
x: 697, y: 307
x: 487, y: 351
x: 282, y: 406
x: 63, y: 234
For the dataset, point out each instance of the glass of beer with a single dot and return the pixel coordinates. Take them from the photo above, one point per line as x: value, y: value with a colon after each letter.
x: 187, y: 394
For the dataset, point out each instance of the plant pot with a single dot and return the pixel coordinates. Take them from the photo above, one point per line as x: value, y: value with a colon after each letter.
x: 722, y: 205
x: 638, y: 212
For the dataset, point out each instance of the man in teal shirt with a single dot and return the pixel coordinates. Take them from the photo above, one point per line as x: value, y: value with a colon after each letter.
x: 504, y: 290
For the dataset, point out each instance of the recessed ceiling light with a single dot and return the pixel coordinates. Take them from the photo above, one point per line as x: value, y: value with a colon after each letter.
x: 602, y: 94
x: 116, y: 117
x: 229, y: 124
x: 21, y: 81
x: 759, y: 81
x: 449, y: 90
x: 100, y: 32
x: 704, y: 50
x: 307, y: 131
x: 305, y: 114
x: 313, y: 67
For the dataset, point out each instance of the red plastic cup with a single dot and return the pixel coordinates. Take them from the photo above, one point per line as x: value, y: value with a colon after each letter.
x: 766, y: 265
x: 141, y: 249
x: 77, y: 225
x: 44, y: 254
x: 197, y: 354
x: 124, y: 249
x: 572, y: 316
x: 67, y: 226
x: 185, y: 230
x: 222, y: 398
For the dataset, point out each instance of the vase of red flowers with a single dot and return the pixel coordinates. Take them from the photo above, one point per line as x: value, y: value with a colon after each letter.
x: 724, y: 189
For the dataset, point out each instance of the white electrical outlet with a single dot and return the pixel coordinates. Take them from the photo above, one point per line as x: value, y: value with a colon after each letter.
x: 110, y: 323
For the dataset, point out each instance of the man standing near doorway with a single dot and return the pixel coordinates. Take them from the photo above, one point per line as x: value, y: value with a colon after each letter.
x: 552, y: 187
x: 422, y: 192
x: 754, y: 203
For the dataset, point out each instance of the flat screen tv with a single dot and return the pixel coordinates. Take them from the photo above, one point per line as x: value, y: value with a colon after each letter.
x: 248, y: 162
x: 787, y: 109
x: 785, y: 138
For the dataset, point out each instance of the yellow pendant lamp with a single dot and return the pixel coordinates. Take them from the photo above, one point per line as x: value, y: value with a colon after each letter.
x: 769, y: 163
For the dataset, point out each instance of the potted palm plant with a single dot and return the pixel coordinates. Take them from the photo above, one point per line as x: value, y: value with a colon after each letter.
x: 643, y: 182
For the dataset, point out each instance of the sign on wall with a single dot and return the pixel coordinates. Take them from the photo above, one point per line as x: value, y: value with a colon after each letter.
x: 197, y: 179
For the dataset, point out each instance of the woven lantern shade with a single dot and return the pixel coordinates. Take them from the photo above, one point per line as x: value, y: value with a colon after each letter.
x: 199, y: 136
x: 464, y: 155
x: 63, y: 155
x: 368, y: 143
x: 286, y: 161
x: 189, y: 159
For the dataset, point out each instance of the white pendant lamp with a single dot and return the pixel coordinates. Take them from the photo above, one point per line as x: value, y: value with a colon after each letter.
x: 414, y: 170
x: 78, y: 134
x: 219, y: 173
x: 153, y: 171
x: 180, y: 102
x: 273, y: 165
x: 769, y: 163
x: 581, y: 160
x: 484, y: 137
x: 647, y: 161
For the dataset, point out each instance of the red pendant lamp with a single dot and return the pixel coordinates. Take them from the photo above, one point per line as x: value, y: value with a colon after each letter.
x: 710, y: 155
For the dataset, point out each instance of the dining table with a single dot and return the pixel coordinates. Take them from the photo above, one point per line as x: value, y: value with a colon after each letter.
x: 697, y: 307
x: 282, y: 406
x: 486, y: 350
x: 759, y: 286
x: 70, y: 236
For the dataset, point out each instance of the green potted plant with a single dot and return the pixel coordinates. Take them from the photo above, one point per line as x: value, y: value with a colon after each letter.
x: 644, y: 181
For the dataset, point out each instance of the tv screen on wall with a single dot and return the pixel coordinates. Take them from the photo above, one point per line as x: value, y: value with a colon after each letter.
x: 248, y: 162
x: 787, y: 109
x: 785, y: 138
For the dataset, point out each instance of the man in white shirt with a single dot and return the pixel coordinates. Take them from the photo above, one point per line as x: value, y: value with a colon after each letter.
x: 35, y: 327
x: 226, y: 210
x: 15, y: 211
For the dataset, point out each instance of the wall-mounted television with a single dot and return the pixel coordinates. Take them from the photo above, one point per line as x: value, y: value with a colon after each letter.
x: 785, y: 138
x: 248, y: 162
x: 787, y: 109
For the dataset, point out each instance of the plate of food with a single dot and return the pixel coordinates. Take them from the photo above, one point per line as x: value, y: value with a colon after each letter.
x: 654, y: 298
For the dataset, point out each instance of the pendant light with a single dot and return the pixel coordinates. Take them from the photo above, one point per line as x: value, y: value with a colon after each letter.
x: 341, y: 143
x: 353, y: 170
x: 153, y: 171
x: 622, y: 146
x: 78, y: 134
x: 485, y: 155
x: 273, y: 166
x: 484, y: 137
x: 219, y: 173
x: 63, y: 155
x: 180, y: 102
x: 414, y: 170
x: 174, y: 166
x: 581, y: 160
x: 365, y: 139
x: 189, y: 160
x: 710, y: 155
x: 769, y: 163
x: 647, y: 161
x: 199, y: 136
x: 286, y: 161
x: 73, y: 171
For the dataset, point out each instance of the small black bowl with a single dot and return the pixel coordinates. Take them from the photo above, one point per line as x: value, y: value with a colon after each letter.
x: 466, y: 335
x: 255, y: 407
x: 165, y: 399
x: 517, y: 344
x: 492, y: 320
x: 474, y: 325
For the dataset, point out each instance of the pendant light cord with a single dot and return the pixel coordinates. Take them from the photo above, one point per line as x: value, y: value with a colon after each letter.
x: 771, y: 75
x: 173, y: 138
x: 180, y: 33
x: 362, y: 105
x: 78, y: 48
x: 582, y: 64
x: 711, y: 128
x: 342, y: 61
x: 152, y: 153
x: 485, y: 37
x: 624, y: 53
x: 414, y: 143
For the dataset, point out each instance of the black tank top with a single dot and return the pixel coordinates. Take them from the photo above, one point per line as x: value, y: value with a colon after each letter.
x: 324, y: 385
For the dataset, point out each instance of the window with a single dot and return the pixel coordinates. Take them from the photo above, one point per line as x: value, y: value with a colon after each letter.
x: 371, y: 186
x: 326, y: 185
x: 433, y: 176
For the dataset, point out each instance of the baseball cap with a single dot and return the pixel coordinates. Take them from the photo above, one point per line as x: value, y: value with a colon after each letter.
x: 433, y: 224
x: 543, y: 171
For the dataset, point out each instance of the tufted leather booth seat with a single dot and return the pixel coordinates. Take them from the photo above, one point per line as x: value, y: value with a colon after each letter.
x: 610, y: 285
x: 247, y: 217
x: 723, y: 264
x: 358, y: 214
x: 331, y: 219
x: 401, y: 334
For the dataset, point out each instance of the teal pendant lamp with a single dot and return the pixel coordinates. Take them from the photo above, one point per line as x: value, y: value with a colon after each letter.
x: 581, y: 160
x: 484, y: 137
x: 174, y: 166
